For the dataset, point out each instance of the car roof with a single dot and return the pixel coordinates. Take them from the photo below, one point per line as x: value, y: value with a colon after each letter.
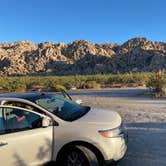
x: 27, y: 96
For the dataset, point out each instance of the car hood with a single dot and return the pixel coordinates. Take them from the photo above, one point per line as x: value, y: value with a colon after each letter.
x: 105, y: 118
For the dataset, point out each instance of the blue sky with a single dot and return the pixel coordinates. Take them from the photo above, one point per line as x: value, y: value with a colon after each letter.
x: 98, y: 21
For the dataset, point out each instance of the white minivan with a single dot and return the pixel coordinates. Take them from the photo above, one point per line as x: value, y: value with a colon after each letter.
x: 38, y: 128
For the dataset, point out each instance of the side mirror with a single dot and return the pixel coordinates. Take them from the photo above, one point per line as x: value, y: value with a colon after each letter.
x: 46, y: 122
x: 79, y: 101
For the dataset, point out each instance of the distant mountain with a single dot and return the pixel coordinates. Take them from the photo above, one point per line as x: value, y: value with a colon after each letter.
x: 81, y: 57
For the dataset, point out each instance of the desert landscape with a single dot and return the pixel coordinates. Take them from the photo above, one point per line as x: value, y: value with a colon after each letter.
x: 109, y: 54
x: 145, y: 120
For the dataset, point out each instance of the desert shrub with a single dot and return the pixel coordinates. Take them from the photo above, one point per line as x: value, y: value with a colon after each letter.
x: 123, y: 79
x: 83, y: 81
x: 158, y: 85
x: 58, y: 88
x: 152, y: 81
x: 21, y: 88
x: 119, y: 79
x: 14, y: 86
x: 91, y: 85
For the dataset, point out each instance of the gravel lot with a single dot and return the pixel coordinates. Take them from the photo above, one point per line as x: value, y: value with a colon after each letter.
x: 145, y: 119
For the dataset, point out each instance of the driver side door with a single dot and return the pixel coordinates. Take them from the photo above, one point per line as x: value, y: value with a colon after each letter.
x: 23, y: 140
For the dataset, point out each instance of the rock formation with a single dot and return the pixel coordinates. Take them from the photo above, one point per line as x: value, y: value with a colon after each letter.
x: 81, y: 57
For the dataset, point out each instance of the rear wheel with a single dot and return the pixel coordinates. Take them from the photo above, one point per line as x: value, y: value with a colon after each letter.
x: 78, y: 156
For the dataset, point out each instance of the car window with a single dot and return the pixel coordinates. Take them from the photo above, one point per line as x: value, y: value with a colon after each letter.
x: 19, y: 120
x: 2, y: 122
x: 24, y: 105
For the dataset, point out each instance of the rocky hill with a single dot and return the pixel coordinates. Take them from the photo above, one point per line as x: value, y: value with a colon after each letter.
x: 81, y: 57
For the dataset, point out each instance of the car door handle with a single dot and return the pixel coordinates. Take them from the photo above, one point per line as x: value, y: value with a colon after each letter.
x: 3, y: 143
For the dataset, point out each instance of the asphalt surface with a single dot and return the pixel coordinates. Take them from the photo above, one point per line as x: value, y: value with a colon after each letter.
x: 119, y: 93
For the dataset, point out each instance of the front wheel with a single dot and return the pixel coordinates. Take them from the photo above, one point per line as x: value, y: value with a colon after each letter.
x: 78, y: 156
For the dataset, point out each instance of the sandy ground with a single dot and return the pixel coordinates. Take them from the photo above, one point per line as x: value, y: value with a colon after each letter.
x: 145, y: 120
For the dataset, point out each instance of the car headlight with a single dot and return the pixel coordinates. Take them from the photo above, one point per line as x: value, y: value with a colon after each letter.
x: 112, y: 133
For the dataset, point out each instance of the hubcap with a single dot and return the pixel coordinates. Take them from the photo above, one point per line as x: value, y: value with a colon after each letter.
x: 74, y: 159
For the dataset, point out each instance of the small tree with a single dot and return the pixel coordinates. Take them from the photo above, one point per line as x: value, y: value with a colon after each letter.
x: 157, y: 82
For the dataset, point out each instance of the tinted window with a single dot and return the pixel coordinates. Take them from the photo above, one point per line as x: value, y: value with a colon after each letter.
x: 18, y: 120
x: 2, y: 122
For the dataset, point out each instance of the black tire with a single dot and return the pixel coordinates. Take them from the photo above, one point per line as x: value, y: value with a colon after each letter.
x: 78, y: 156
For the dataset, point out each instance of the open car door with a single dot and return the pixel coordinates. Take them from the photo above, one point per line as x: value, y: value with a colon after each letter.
x: 23, y: 139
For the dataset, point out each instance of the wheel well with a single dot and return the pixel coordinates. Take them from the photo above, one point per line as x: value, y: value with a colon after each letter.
x: 94, y: 149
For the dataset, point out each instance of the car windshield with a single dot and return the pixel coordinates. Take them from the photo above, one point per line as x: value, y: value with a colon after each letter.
x: 61, y: 107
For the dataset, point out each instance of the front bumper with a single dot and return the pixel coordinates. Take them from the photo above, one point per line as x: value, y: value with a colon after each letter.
x: 121, y: 146
x: 115, y: 148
